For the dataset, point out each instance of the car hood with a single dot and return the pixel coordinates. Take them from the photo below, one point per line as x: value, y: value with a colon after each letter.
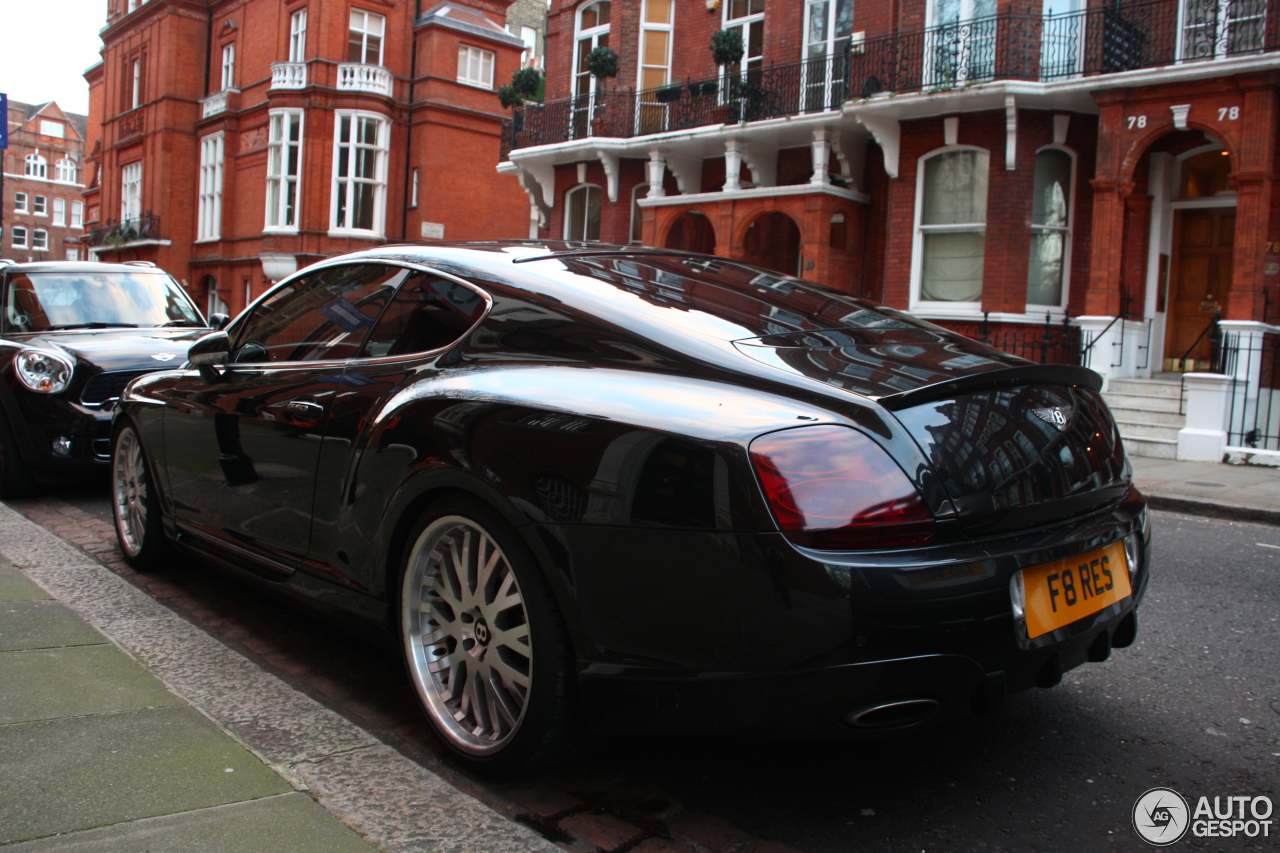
x: 121, y: 349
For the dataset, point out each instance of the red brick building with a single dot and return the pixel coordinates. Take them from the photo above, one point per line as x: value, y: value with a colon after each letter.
x: 986, y: 164
x: 43, y: 213
x: 233, y: 141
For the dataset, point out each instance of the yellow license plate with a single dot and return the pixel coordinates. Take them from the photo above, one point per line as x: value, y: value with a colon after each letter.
x: 1063, y: 591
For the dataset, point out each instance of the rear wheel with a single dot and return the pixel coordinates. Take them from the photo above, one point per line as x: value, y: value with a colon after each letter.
x: 15, y: 477
x: 135, y: 502
x: 483, y: 640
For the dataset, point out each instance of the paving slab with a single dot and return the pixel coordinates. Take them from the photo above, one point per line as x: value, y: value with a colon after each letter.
x: 289, y: 822
x: 78, y: 773
x: 15, y: 586
x: 41, y: 684
x: 43, y: 625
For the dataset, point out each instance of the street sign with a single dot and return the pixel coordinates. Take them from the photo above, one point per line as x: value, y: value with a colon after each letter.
x: 4, y: 125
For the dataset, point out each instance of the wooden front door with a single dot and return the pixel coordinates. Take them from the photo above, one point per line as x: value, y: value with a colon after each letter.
x: 1199, y: 281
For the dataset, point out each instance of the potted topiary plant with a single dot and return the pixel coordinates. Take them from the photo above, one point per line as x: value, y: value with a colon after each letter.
x: 602, y: 63
x: 670, y: 93
x: 524, y: 86
x: 727, y: 47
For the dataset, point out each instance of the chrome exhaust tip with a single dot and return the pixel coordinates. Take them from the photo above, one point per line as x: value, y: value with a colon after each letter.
x: 897, y: 714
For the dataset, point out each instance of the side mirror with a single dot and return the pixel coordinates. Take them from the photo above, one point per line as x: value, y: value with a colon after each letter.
x: 219, y: 320
x: 213, y: 348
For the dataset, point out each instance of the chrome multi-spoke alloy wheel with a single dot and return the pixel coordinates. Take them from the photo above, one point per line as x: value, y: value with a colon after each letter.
x: 130, y: 492
x: 466, y: 635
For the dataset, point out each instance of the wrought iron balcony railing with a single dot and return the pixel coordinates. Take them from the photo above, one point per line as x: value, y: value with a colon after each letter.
x: 115, y: 232
x: 1104, y: 40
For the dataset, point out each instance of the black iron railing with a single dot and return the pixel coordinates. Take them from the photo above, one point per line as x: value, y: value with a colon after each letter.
x: 115, y: 232
x: 1103, y: 40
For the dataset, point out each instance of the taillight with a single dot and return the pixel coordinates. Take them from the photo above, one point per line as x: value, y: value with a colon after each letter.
x: 832, y: 487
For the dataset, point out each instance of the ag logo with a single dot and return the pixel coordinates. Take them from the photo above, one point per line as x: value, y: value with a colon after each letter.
x: 1161, y: 816
x: 1057, y: 416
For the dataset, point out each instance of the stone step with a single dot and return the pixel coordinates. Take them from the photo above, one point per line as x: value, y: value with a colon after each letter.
x: 1144, y: 429
x: 1136, y: 415
x: 1155, y: 448
x: 1160, y: 387
x: 1146, y: 402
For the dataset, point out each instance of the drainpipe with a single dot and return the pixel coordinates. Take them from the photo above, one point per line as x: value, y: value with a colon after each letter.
x: 408, y: 146
x: 208, y: 46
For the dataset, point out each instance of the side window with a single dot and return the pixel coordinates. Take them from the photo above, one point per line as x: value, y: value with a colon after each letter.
x: 319, y: 317
x: 427, y: 313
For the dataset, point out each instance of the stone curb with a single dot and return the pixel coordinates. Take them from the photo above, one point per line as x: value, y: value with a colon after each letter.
x: 393, y: 802
x: 1213, y: 509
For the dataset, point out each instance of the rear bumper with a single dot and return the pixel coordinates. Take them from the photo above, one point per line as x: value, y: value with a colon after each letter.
x: 851, y: 701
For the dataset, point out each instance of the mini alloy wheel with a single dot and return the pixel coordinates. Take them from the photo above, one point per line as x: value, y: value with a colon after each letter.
x: 467, y: 635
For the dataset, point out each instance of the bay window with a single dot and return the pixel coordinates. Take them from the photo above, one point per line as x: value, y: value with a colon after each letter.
x: 359, y: 172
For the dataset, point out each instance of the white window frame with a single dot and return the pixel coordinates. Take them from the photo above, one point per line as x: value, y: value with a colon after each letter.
x: 745, y: 23
x: 64, y: 171
x: 39, y: 240
x: 35, y: 166
x: 135, y: 93
x: 72, y: 253
x: 20, y: 203
x: 413, y: 190
x: 593, y: 36
x: 59, y: 212
x: 379, y: 182
x: 529, y: 58
x: 637, y: 214
x: 131, y: 192
x: 568, y: 208
x: 209, y: 206
x: 18, y: 237
x: 56, y: 129
x: 228, y: 66
x: 1068, y: 231
x: 298, y: 36
x: 40, y: 205
x: 935, y: 307
x: 645, y: 28
x: 475, y: 66
x: 280, y: 181
x: 77, y: 213
x: 365, y: 32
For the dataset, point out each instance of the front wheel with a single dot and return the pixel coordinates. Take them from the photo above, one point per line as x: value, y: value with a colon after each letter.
x: 134, y: 502
x: 484, y: 642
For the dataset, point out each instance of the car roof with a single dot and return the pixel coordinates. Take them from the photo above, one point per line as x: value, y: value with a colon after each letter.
x: 77, y: 266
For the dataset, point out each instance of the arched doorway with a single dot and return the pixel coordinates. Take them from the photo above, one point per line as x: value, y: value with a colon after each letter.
x: 772, y: 241
x: 692, y: 232
x: 1201, y: 254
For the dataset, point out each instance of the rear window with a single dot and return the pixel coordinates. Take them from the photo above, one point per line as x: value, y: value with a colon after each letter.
x: 40, y: 302
x: 733, y: 301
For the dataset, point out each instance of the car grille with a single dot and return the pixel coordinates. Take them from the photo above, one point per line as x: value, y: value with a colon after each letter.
x: 105, y: 386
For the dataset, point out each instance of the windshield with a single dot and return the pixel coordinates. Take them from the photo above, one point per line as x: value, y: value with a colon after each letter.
x: 41, y: 302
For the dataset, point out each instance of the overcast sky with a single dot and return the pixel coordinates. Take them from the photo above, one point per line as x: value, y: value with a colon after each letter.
x: 48, y: 44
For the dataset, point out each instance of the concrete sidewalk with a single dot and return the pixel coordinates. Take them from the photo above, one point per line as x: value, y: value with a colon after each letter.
x: 125, y: 728
x: 1235, y: 492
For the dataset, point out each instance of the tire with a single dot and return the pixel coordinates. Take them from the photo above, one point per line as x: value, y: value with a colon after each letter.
x: 484, y: 643
x: 135, y: 504
x: 16, y: 480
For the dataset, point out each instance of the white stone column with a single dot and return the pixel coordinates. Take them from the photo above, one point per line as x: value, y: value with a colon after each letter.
x: 1204, y: 438
x: 657, y: 171
x: 821, y: 155
x: 1244, y: 342
x: 733, y: 150
x: 1105, y: 338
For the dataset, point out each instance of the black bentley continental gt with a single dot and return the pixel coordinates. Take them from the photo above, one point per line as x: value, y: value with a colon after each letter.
x: 643, y: 489
x: 72, y: 335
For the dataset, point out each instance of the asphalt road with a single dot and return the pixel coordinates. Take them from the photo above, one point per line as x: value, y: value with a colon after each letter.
x: 1194, y: 705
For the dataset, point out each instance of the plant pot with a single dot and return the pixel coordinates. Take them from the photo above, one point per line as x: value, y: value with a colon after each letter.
x: 669, y: 95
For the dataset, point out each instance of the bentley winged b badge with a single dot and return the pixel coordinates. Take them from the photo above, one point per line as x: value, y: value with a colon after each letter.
x: 1058, y: 416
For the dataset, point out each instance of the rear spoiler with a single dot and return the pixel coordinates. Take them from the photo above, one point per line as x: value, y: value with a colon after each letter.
x: 1023, y: 374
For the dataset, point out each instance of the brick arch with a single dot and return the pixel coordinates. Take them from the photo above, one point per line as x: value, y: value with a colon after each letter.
x: 1142, y: 145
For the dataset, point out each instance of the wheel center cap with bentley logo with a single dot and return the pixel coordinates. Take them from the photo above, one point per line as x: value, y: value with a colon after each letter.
x: 1056, y: 416
x: 481, y: 632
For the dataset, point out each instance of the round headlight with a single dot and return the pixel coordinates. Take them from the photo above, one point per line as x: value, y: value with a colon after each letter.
x: 42, y: 371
